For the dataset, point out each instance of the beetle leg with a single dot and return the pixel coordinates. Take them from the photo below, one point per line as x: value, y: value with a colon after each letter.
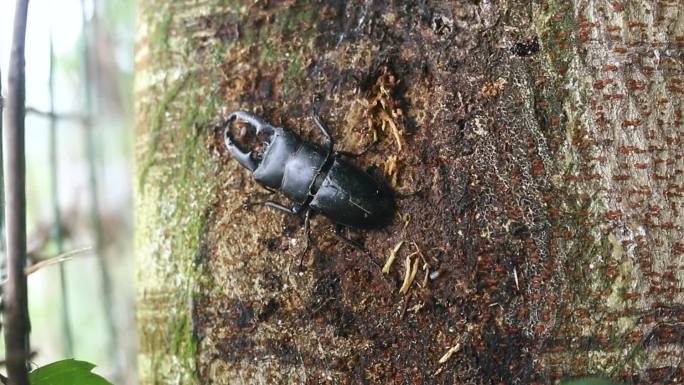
x: 337, y: 229
x: 260, y: 194
x: 307, y: 234
x: 294, y: 210
x: 329, y: 141
x: 269, y: 191
x: 275, y: 205
x: 357, y: 154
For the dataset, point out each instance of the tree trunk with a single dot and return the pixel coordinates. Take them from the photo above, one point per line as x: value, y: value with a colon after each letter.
x: 535, y: 151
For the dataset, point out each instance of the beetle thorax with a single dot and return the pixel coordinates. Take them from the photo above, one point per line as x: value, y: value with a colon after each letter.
x: 271, y: 169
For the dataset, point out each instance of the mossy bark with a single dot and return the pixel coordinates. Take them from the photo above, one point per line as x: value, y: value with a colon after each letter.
x: 535, y: 147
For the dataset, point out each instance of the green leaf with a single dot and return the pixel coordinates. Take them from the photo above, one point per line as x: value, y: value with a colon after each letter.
x: 590, y: 381
x: 66, y: 372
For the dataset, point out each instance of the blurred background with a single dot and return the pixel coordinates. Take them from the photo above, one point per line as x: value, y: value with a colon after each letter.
x: 79, y: 72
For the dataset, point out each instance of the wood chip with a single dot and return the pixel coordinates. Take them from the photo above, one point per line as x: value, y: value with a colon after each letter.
x: 386, y: 118
x: 392, y: 257
x: 449, y: 353
x: 410, y: 274
x: 515, y: 275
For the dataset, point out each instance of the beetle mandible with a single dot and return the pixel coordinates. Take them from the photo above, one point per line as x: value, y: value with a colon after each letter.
x: 316, y: 178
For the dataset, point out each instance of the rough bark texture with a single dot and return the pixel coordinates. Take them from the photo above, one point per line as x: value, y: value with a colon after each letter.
x: 541, y: 140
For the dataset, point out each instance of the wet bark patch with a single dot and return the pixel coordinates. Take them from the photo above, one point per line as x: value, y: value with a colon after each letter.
x: 452, y: 109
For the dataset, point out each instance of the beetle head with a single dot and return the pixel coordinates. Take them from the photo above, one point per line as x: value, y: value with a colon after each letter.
x: 273, y: 147
x: 247, y: 159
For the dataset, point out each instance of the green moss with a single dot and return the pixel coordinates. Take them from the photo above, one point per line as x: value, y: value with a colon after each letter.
x: 173, y: 197
x: 159, y: 36
x: 556, y: 27
x: 176, y: 187
x: 590, y: 381
x: 291, y: 20
x: 295, y: 72
x: 179, y: 193
x: 157, y: 120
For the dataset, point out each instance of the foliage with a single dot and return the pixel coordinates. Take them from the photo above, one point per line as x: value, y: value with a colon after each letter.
x: 67, y: 372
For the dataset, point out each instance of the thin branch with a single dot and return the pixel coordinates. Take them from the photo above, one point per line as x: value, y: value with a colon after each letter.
x: 63, y: 257
x: 17, y: 324
x: 49, y: 261
x: 67, y: 335
x: 54, y: 115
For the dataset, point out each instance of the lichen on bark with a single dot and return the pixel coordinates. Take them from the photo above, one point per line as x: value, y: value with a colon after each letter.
x: 175, y: 188
x: 623, y: 165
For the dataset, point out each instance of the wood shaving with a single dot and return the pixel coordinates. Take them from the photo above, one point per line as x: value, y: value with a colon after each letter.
x: 392, y: 257
x: 410, y: 274
x: 383, y: 107
x: 491, y: 89
x: 449, y: 353
x: 391, y: 169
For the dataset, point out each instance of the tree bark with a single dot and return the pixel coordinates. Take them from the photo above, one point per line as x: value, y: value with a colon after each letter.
x: 535, y: 150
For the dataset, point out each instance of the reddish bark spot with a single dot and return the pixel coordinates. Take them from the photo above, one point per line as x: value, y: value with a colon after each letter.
x: 613, y: 215
x: 601, y: 83
x: 635, y: 85
x: 631, y: 123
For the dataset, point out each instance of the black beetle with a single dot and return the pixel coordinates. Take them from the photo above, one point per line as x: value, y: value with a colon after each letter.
x: 314, y: 177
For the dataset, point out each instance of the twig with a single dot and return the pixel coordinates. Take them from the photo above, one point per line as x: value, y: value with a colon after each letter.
x: 54, y: 115
x: 17, y: 324
x: 67, y: 335
x: 63, y: 257
x: 57, y: 259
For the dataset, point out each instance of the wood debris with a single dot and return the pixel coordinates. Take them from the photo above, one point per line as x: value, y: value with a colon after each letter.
x: 410, y: 274
x: 392, y: 257
x: 383, y: 107
x: 449, y: 353
x: 391, y: 169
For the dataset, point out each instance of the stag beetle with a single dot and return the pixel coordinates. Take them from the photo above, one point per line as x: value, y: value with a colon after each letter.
x: 314, y: 177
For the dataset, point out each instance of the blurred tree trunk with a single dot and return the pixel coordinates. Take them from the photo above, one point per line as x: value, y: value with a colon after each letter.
x: 543, y: 139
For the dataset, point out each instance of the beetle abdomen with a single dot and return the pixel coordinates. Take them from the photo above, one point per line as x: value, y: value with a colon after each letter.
x: 352, y: 198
